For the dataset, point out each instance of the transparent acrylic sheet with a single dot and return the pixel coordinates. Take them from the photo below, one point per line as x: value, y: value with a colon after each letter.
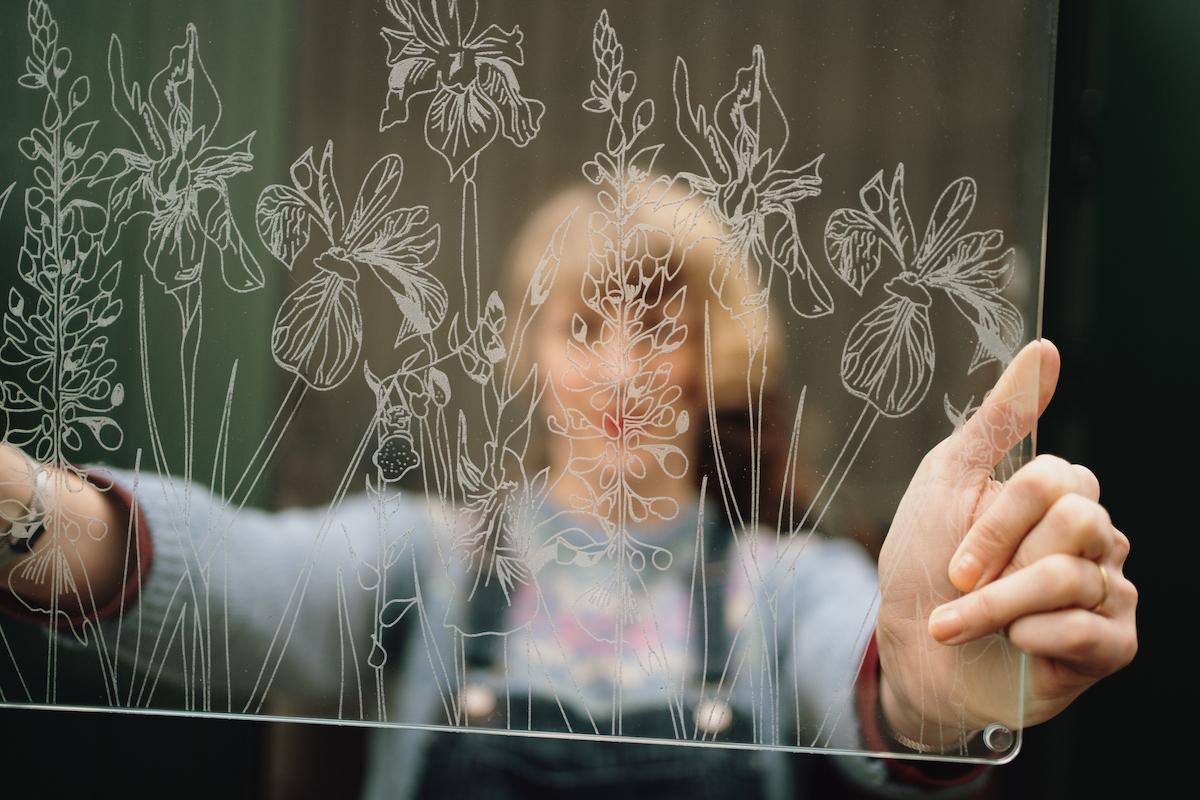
x: 598, y: 339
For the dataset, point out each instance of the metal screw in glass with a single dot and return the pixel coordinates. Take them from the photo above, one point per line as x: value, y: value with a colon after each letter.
x: 998, y: 738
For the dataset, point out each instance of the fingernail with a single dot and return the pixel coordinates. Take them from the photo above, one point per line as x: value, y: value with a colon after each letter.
x: 966, y: 572
x: 945, y: 623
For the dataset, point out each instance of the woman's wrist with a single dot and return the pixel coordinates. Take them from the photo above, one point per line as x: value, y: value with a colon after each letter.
x: 906, y: 730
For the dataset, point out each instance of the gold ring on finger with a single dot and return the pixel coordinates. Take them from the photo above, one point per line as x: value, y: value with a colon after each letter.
x: 1104, y: 599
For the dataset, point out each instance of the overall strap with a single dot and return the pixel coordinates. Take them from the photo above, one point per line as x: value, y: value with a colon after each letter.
x: 485, y: 612
x: 709, y: 597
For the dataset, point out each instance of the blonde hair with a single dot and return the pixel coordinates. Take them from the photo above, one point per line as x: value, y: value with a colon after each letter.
x: 694, y: 252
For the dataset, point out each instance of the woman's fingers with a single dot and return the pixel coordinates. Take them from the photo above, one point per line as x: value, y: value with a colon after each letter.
x: 1074, y: 526
x: 1029, y: 499
x: 1094, y: 644
x: 1089, y: 484
x: 1052, y: 583
x: 1010, y: 409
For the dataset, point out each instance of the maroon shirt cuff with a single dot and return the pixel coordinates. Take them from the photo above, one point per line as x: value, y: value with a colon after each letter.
x: 914, y: 773
x: 138, y: 556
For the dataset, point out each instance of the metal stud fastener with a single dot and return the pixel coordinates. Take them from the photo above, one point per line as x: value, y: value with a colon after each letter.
x: 998, y: 738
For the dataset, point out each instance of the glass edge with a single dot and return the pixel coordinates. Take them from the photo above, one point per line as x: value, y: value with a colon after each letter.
x: 1052, y: 24
x: 350, y: 723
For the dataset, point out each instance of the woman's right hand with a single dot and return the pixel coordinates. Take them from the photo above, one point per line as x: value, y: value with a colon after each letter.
x: 1035, y: 558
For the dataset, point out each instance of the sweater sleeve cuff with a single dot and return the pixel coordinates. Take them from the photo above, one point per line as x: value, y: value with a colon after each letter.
x: 139, y: 554
x: 928, y: 775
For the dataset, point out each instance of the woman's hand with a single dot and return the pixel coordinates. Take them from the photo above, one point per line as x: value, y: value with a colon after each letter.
x: 77, y: 566
x: 974, y: 568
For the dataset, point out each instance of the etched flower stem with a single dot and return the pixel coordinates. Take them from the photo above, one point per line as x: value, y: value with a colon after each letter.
x: 469, y: 243
x: 853, y: 445
x: 293, y: 398
x: 189, y: 299
x: 291, y: 611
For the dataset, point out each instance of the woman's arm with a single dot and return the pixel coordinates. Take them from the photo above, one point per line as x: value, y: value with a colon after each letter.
x: 83, y: 528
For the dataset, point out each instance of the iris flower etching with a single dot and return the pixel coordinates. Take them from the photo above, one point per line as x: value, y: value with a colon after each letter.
x: 469, y: 79
x: 753, y: 199
x: 177, y: 174
x: 318, y: 330
x: 749, y: 194
x: 176, y: 177
x: 888, y: 358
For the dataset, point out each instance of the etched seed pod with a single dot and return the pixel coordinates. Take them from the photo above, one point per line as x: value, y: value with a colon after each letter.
x: 396, y: 456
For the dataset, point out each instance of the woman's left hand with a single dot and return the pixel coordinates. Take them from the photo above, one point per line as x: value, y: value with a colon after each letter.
x: 1036, y: 559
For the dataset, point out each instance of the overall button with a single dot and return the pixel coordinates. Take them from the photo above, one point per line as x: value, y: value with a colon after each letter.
x: 478, y: 701
x: 713, y: 717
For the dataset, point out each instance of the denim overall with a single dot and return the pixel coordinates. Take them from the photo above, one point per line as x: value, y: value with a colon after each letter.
x: 499, y: 767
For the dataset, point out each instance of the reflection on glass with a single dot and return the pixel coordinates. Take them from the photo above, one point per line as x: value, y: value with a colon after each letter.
x: 566, y: 403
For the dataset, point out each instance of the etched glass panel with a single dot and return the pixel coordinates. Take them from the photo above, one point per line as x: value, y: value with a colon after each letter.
x: 598, y: 342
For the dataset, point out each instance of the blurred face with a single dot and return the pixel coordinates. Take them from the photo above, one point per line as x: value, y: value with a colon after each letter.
x: 626, y: 360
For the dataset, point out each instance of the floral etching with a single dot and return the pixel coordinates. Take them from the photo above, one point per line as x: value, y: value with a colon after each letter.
x: 318, y: 331
x: 537, y: 371
x: 888, y: 358
x: 178, y: 174
x: 745, y: 187
x: 468, y: 78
